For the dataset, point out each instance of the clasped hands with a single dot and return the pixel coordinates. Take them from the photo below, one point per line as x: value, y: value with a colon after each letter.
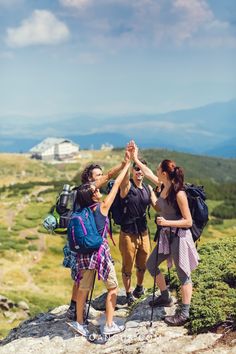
x: 131, y: 151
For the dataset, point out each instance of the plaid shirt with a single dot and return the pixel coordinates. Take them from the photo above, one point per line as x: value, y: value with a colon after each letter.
x: 99, y: 260
x: 70, y: 260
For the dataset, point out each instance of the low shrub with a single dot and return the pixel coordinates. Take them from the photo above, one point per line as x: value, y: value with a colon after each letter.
x: 214, y: 282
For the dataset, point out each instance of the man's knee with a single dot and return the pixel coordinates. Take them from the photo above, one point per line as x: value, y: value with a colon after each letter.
x: 141, y: 270
x: 125, y: 274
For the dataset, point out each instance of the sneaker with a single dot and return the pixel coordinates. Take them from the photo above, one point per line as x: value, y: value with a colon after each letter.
x: 130, y: 299
x: 113, y: 329
x: 177, y: 319
x: 138, y: 292
x: 71, y: 314
x: 79, y: 328
x: 161, y: 302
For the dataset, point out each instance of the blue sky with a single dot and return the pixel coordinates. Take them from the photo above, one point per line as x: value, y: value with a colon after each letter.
x: 114, y: 57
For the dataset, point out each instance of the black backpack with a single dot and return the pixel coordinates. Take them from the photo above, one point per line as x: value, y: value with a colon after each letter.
x: 198, y: 208
x: 117, y: 208
x: 59, y: 216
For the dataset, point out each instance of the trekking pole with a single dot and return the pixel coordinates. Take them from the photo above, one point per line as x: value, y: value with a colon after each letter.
x: 157, y: 236
x: 91, y: 294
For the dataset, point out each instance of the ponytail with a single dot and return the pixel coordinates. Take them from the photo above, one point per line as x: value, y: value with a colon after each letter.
x: 176, y: 175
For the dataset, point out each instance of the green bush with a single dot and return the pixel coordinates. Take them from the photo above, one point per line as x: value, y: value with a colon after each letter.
x: 32, y: 248
x: 227, y: 210
x: 214, y: 282
x: 215, y: 221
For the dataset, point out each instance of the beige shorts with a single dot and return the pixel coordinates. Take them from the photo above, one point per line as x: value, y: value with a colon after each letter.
x: 86, y: 283
x: 134, y: 249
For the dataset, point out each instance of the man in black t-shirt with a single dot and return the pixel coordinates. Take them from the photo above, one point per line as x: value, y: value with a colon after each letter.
x: 134, y: 241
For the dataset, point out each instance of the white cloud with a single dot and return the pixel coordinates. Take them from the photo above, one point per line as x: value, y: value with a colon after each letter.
x: 150, y: 22
x: 41, y: 28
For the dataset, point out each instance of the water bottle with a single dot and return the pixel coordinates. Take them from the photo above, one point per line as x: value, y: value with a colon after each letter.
x: 64, y: 196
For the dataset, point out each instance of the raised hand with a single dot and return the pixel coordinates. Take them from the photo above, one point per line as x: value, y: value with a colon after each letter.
x: 127, y: 153
x: 133, y: 149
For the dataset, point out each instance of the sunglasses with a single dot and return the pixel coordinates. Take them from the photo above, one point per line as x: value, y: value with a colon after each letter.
x: 137, y: 169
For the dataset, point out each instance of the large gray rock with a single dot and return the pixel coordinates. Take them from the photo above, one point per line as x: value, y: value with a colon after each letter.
x: 48, y: 333
x: 100, y: 302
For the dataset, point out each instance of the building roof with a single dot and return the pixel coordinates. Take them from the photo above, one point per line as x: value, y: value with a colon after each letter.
x: 48, y: 143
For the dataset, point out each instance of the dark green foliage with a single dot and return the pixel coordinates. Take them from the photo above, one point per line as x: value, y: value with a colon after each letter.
x: 23, y: 188
x: 214, y: 281
x: 197, y: 168
x: 214, y: 287
x: 55, y: 250
x: 32, y: 248
x: 227, y: 210
x: 9, y: 240
x: 32, y: 237
x: 215, y: 222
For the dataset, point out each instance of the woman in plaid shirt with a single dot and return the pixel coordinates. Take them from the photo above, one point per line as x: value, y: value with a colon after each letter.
x: 100, y: 260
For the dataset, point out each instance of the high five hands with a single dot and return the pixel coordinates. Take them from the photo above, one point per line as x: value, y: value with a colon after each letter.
x: 132, y: 149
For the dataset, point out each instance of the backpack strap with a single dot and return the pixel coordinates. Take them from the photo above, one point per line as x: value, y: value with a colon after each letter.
x: 107, y: 230
x: 145, y: 186
x: 106, y: 227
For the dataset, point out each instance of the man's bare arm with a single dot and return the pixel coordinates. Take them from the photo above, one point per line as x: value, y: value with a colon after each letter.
x: 107, y: 176
x: 125, y: 185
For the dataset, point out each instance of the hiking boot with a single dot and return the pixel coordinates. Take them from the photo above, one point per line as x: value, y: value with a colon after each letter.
x: 113, y: 329
x: 82, y: 329
x: 177, y: 319
x: 161, y: 302
x: 138, y: 291
x: 71, y: 314
x: 130, y: 299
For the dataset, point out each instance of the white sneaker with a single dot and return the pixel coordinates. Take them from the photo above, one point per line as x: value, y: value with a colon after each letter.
x: 79, y: 328
x: 113, y: 329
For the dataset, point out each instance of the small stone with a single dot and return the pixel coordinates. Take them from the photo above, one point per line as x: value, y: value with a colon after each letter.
x: 132, y: 324
x: 23, y: 305
x: 4, y: 306
x: 11, y: 316
x: 10, y: 304
x: 3, y: 298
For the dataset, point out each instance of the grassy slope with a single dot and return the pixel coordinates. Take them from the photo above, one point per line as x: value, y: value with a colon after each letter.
x: 38, y: 275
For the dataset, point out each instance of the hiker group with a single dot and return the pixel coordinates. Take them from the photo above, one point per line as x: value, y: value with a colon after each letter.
x: 87, y: 252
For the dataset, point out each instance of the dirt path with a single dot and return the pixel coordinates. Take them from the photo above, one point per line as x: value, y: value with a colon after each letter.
x: 22, y: 264
x: 12, y: 212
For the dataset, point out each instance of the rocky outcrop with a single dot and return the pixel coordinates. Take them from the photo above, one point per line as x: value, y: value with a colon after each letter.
x: 49, y: 333
x: 13, y: 310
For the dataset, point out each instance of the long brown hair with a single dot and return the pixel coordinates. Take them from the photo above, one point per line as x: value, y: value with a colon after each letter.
x: 85, y: 195
x: 176, y: 175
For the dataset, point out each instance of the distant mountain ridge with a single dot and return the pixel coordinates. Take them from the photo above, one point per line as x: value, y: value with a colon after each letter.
x: 209, y: 130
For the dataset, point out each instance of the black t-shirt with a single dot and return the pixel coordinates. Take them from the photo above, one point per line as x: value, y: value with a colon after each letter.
x: 134, y: 209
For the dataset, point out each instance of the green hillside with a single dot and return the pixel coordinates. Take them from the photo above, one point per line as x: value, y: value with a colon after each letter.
x: 197, y: 168
x: 30, y: 259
